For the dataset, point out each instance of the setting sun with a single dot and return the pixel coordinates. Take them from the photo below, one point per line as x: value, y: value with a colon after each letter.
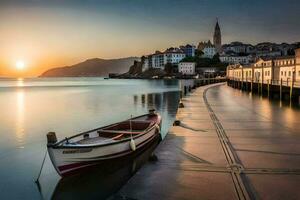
x: 20, y: 65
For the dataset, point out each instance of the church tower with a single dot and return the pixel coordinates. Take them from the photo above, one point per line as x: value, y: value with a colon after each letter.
x: 217, y: 38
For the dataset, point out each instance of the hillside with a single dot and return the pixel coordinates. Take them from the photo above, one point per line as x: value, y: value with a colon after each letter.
x: 92, y: 67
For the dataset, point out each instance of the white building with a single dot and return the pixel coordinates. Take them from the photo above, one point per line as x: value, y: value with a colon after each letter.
x: 209, y: 51
x: 158, y: 60
x: 186, y: 68
x: 174, y: 55
x: 235, y: 59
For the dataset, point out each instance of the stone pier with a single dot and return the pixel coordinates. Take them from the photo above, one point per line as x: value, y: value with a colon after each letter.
x: 221, y: 150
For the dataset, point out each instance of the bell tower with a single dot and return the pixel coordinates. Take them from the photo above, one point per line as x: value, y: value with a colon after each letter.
x: 217, y: 38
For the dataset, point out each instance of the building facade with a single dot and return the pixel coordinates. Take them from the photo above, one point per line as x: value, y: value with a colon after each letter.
x: 297, y: 60
x: 209, y: 51
x: 263, y: 71
x: 189, y: 50
x: 174, y: 55
x: 158, y: 60
x: 287, y: 68
x: 187, y: 68
x: 235, y: 59
x: 207, y: 48
x: 283, y: 69
x: 238, y: 47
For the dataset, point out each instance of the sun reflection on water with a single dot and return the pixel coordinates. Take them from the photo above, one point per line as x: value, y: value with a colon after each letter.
x: 20, y: 118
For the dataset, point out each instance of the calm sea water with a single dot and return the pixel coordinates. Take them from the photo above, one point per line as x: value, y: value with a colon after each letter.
x: 32, y: 107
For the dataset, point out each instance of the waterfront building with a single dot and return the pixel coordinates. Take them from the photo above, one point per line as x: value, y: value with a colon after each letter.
x: 217, y: 38
x: 174, y: 55
x: 230, y: 71
x: 240, y: 72
x: 263, y: 70
x: 247, y: 72
x: 286, y: 67
x: 187, y: 68
x: 189, y: 50
x: 297, y: 60
x: 159, y: 59
x: 273, y: 70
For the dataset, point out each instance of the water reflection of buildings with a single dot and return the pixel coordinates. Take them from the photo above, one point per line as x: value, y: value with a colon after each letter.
x: 162, y: 102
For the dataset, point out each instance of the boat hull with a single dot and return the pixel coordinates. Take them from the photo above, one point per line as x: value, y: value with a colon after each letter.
x: 72, y: 159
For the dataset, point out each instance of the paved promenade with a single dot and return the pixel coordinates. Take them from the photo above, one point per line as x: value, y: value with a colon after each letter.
x: 225, y: 148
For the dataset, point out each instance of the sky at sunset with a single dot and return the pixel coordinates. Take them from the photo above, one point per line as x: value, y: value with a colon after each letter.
x: 44, y: 34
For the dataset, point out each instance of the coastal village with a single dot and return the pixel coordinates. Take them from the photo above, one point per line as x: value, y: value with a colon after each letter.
x: 146, y: 100
x: 211, y: 59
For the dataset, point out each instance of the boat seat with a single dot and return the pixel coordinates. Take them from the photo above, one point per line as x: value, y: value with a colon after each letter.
x: 117, y: 137
x: 93, y: 140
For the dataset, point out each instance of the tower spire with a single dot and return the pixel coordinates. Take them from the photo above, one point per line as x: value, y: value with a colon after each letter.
x: 217, y: 37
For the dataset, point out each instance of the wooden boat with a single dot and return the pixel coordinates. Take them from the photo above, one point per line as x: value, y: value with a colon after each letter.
x: 109, y: 176
x: 103, y: 144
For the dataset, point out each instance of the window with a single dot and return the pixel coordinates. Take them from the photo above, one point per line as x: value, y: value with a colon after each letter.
x: 281, y: 73
x: 289, y: 73
x: 285, y: 73
x: 298, y: 73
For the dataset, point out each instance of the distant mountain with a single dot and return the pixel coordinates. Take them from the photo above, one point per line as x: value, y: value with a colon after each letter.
x: 92, y: 67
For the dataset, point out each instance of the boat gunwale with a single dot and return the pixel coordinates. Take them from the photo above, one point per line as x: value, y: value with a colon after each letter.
x: 59, y: 146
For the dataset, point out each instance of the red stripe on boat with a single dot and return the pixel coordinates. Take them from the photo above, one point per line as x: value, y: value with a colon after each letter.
x: 79, y: 164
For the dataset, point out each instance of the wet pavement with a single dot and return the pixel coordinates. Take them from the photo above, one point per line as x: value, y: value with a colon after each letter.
x: 230, y: 145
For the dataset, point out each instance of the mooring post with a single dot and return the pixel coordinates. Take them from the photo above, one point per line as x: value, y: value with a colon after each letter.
x: 261, y: 88
x: 280, y: 90
x: 258, y: 87
x: 291, y: 89
x: 268, y: 89
x: 251, y: 85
